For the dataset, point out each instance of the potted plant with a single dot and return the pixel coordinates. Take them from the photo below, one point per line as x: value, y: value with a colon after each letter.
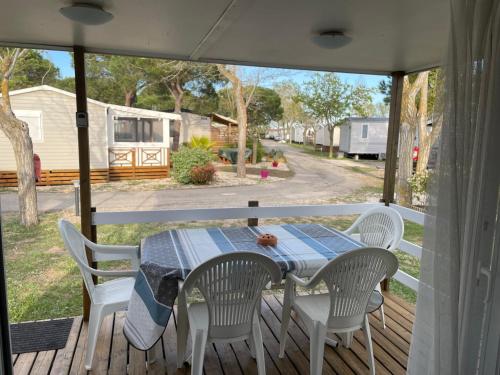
x: 264, y: 173
x: 277, y: 156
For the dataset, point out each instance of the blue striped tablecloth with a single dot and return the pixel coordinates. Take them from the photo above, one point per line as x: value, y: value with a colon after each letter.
x: 169, y: 256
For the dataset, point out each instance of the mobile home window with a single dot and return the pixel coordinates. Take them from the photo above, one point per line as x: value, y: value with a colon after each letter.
x: 138, y: 130
x: 364, y: 132
x: 34, y: 121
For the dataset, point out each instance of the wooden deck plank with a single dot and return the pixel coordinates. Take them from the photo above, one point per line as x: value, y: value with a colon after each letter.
x: 170, y: 347
x: 136, y: 361
x: 388, y: 332
x: 293, y: 352
x: 299, y: 334
x: 64, y: 357
x: 401, y: 311
x: 24, y: 363
x: 228, y: 359
x: 391, y: 346
x: 78, y: 363
x: 119, y: 347
x: 43, y: 362
x: 401, y: 302
x: 103, y: 346
x: 394, y: 315
x: 299, y: 338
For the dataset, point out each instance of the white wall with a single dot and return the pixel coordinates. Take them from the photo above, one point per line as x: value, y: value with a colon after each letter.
x: 352, y: 141
x: 194, y: 125
x: 58, y: 147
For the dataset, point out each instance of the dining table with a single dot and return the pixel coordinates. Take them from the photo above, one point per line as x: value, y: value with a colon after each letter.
x: 168, y: 257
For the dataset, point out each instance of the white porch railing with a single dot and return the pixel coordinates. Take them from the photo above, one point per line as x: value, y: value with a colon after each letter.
x: 206, y: 214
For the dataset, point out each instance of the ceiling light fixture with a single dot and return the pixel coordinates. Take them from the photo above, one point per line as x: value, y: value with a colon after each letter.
x: 331, y: 39
x: 88, y: 14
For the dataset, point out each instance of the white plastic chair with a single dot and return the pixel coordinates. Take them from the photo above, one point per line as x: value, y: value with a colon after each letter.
x: 350, y: 279
x: 380, y: 227
x: 231, y: 285
x: 107, y: 297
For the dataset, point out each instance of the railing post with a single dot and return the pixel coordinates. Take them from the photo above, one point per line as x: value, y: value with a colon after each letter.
x: 82, y: 125
x: 253, y: 221
x: 93, y: 238
x: 391, y: 154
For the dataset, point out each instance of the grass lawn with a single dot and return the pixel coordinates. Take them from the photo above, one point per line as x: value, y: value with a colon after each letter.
x: 310, y: 150
x: 44, y: 282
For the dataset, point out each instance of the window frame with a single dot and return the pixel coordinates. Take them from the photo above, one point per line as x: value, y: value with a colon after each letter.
x: 363, y: 127
x: 140, y: 126
x: 32, y: 113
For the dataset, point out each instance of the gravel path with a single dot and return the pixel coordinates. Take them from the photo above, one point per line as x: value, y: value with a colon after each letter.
x: 316, y: 180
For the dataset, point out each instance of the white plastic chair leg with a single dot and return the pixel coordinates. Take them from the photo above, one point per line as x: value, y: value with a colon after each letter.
x: 285, y: 316
x: 381, y: 310
x: 95, y: 319
x: 382, y: 315
x: 346, y: 339
x: 259, y: 348
x: 199, y: 344
x: 369, y: 345
x: 317, y: 338
x: 251, y: 344
x: 182, y: 337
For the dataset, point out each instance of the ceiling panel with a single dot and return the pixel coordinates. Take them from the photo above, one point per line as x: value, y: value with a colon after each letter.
x: 387, y: 35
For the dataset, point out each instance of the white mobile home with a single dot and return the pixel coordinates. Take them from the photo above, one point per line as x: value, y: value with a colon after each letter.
x: 364, y: 136
x: 124, y: 142
x: 323, y: 137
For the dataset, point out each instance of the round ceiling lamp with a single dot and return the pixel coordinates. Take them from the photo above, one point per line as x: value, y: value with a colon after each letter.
x: 331, y: 39
x: 88, y: 14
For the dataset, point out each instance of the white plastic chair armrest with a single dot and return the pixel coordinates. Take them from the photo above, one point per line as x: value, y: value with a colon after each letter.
x: 103, y: 253
x: 124, y: 273
x: 297, y: 280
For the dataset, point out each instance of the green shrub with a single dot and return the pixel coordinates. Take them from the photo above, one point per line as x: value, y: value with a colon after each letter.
x: 202, y: 175
x: 185, y: 159
x: 201, y: 142
x: 260, y: 149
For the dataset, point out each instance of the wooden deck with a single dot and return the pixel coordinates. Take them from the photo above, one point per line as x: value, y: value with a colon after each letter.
x: 113, y: 354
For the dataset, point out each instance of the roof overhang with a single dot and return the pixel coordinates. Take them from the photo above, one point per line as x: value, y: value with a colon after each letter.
x: 387, y: 35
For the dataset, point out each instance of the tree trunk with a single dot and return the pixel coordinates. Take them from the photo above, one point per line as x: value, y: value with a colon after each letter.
x: 17, y: 132
x: 405, y: 163
x: 175, y: 129
x: 304, y: 134
x: 331, y: 130
x: 241, y: 111
x: 242, y: 129
x: 254, y: 149
x: 130, y: 97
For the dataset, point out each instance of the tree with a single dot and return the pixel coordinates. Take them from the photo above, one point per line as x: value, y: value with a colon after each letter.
x: 17, y: 132
x: 420, y: 103
x: 293, y: 109
x: 429, y: 109
x: 34, y: 70
x: 183, y: 79
x: 410, y: 116
x: 330, y: 101
x: 241, y: 104
x: 264, y: 108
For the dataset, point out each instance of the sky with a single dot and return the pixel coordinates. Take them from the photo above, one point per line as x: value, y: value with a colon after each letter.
x: 63, y: 61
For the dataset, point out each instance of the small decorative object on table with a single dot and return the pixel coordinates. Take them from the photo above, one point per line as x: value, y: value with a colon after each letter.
x: 267, y: 239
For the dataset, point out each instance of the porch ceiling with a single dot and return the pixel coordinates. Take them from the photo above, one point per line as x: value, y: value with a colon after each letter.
x: 387, y: 35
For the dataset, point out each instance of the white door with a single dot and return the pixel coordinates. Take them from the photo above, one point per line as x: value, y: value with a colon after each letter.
x: 483, y: 331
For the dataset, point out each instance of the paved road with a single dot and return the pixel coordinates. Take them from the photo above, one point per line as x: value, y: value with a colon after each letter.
x: 315, y: 181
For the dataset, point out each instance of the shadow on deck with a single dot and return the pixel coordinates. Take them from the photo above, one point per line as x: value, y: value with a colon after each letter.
x: 113, y: 354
